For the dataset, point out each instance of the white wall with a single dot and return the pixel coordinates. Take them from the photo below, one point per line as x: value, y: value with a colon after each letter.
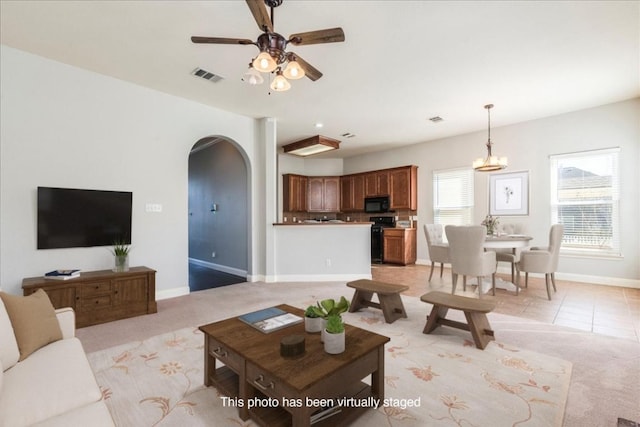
x: 66, y: 127
x: 528, y: 146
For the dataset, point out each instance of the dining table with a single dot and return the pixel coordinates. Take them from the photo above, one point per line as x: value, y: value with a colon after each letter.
x: 505, y: 241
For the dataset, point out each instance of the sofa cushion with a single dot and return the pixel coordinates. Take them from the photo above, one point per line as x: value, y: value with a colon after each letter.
x: 94, y: 415
x: 55, y: 379
x: 34, y: 321
x: 9, y: 353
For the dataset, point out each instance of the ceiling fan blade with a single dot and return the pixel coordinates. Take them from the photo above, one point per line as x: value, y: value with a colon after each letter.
x: 309, y: 70
x: 220, y: 40
x: 330, y: 35
x: 260, y: 14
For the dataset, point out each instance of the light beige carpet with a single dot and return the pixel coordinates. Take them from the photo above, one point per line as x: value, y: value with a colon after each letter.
x: 159, y: 381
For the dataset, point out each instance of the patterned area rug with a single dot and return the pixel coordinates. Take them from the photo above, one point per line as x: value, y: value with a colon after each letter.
x: 159, y: 381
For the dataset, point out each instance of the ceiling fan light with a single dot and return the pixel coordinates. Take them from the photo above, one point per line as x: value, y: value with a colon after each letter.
x: 252, y: 77
x: 293, y: 71
x: 280, y: 84
x: 264, y: 63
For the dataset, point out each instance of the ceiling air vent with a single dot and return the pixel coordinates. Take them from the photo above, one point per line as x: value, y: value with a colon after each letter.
x: 199, y: 72
x: 347, y: 135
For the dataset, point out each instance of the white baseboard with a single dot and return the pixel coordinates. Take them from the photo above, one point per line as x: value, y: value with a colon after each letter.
x: 172, y: 293
x: 218, y: 267
x: 316, y: 277
x: 582, y: 278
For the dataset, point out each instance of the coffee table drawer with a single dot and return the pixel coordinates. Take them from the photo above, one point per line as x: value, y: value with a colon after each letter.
x: 226, y: 356
x: 266, y: 383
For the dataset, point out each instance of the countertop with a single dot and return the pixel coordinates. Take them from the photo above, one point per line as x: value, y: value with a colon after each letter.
x: 322, y: 223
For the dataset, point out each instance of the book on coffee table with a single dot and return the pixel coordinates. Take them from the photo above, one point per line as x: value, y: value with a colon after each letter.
x: 270, y: 319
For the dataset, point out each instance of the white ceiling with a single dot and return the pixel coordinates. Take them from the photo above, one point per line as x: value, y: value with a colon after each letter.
x: 401, y: 63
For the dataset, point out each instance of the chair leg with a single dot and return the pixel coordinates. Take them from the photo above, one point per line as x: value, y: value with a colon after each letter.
x: 479, y: 279
x: 553, y: 281
x: 547, y: 279
x: 493, y: 283
x: 441, y: 269
x: 454, y: 280
x: 517, y: 282
x: 431, y: 274
x: 526, y: 279
x: 513, y: 275
x: 464, y: 282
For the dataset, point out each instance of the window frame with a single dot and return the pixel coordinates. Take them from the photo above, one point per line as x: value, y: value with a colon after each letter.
x: 613, y: 249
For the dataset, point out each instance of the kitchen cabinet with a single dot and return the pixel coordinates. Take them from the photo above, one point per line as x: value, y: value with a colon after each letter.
x: 403, y: 183
x: 352, y: 193
x: 376, y: 183
x: 399, y: 245
x: 323, y: 194
x: 294, y: 193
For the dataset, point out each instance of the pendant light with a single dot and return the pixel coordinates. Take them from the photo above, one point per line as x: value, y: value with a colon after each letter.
x: 491, y: 162
x: 252, y: 76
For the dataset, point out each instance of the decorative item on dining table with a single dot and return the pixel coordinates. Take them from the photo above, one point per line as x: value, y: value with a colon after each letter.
x: 491, y: 223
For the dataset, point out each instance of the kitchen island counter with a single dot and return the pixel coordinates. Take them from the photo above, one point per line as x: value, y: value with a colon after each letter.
x: 322, y: 251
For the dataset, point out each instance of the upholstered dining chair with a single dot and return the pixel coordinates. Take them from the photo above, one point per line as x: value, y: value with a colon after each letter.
x: 512, y: 256
x: 543, y: 259
x: 466, y: 251
x: 438, y: 249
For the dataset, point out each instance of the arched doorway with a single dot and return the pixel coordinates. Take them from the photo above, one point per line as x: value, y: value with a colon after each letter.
x: 218, y: 214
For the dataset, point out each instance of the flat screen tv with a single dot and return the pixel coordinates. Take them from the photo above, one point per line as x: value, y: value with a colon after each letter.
x: 74, y: 218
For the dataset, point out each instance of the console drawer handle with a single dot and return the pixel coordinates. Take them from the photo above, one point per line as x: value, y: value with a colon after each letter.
x: 218, y: 352
x: 262, y: 386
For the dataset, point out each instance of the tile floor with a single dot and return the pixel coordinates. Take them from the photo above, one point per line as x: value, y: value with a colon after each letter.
x: 607, y: 310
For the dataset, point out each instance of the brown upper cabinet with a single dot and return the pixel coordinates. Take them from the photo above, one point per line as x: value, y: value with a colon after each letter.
x: 294, y: 193
x: 352, y: 199
x: 323, y: 194
x: 404, y: 188
x: 376, y: 183
x: 347, y: 193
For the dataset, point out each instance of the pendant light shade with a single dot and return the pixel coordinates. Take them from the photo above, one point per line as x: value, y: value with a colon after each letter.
x: 280, y: 84
x: 491, y: 162
x: 252, y: 77
x: 264, y: 63
x: 293, y: 71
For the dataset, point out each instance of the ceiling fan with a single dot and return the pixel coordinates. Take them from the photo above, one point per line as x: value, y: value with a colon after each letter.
x: 273, y: 56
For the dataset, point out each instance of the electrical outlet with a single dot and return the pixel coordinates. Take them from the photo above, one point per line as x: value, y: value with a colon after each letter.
x: 213, y: 254
x: 327, y: 262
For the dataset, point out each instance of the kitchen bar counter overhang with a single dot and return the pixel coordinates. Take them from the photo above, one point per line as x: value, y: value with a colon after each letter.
x: 323, y: 251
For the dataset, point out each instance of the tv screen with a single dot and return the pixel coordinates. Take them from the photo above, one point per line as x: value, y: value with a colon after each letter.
x: 72, y: 218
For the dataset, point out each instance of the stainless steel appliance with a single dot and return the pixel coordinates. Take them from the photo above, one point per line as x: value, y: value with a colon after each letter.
x: 379, y: 224
x: 376, y: 204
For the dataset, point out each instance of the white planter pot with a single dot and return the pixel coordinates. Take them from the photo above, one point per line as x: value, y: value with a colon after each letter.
x: 333, y: 343
x: 313, y: 324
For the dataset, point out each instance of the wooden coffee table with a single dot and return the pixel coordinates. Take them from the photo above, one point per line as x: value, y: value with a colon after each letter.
x: 255, y: 373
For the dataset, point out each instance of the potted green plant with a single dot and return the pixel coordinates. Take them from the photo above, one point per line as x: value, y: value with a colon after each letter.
x: 313, y: 319
x: 334, y: 339
x: 120, y: 252
x: 330, y: 307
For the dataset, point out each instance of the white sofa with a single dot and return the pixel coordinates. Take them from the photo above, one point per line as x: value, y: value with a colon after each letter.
x: 53, y: 386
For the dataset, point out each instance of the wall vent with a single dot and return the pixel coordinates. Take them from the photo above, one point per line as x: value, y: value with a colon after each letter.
x: 436, y: 119
x: 207, y: 75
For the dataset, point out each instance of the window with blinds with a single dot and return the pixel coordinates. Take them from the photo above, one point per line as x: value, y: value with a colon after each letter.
x: 453, y: 196
x: 585, y: 198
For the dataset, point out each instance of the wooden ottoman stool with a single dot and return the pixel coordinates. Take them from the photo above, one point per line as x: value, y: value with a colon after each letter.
x: 388, y: 295
x: 474, y: 310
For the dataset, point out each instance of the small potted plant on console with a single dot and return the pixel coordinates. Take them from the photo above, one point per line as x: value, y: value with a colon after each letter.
x: 334, y: 334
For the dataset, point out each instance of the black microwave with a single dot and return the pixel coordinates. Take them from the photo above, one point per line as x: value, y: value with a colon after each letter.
x: 376, y: 204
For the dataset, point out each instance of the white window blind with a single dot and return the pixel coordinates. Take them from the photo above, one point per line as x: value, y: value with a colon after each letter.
x: 453, y: 196
x: 585, y: 198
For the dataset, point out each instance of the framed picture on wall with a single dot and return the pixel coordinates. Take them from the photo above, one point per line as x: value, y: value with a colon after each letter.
x: 509, y: 193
